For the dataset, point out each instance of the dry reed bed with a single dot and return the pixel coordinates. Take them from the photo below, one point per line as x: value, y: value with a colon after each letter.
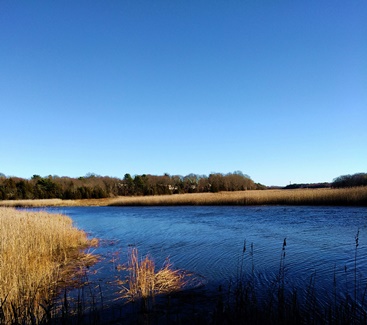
x: 356, y: 196
x: 53, y: 203
x: 347, y: 196
x: 37, y: 251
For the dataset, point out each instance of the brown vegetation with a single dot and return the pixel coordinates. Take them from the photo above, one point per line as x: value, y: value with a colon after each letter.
x: 356, y: 196
x: 348, y: 196
x: 54, y: 203
x: 144, y: 281
x: 38, y: 250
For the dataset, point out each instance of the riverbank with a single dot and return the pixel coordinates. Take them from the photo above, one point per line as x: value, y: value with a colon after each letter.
x: 239, y: 296
x: 39, y: 254
x: 355, y: 196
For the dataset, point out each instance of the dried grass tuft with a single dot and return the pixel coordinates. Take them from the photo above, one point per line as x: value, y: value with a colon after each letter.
x: 143, y: 281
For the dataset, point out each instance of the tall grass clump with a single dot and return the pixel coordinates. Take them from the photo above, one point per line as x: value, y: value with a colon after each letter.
x: 144, y: 281
x: 38, y: 251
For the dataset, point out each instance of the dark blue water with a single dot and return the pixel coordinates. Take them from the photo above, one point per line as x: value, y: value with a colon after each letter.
x: 208, y: 241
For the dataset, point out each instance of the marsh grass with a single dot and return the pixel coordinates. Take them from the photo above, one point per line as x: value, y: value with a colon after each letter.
x: 355, y: 196
x: 39, y: 253
x: 238, y: 301
x: 345, y: 196
x: 52, y: 203
x: 144, y: 282
x: 243, y: 300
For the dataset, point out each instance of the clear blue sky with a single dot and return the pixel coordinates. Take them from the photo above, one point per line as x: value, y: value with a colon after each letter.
x: 276, y: 89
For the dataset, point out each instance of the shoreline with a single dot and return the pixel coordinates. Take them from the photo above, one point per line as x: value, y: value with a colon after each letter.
x: 41, y: 254
x: 354, y: 196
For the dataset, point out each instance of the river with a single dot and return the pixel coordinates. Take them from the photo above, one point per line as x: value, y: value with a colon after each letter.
x: 209, y: 242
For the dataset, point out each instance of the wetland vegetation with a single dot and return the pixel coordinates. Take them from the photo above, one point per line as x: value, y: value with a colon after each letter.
x: 42, y: 253
x: 39, y: 254
x: 354, y: 196
x: 216, y: 189
x: 297, y: 265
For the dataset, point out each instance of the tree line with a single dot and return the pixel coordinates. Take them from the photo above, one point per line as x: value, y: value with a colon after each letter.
x: 358, y: 179
x: 92, y: 186
x: 307, y: 185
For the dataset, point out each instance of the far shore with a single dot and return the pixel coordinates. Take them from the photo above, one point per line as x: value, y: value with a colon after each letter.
x: 355, y: 196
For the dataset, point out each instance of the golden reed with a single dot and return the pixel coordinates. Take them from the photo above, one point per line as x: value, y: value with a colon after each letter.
x: 356, y: 196
x: 38, y: 250
x: 145, y: 281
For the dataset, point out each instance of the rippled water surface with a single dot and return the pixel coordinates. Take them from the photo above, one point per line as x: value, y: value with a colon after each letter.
x: 208, y: 241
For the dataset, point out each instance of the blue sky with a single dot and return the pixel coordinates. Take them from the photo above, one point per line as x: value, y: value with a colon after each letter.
x: 276, y: 89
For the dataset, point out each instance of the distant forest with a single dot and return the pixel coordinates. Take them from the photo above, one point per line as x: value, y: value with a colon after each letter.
x: 359, y: 179
x: 93, y: 186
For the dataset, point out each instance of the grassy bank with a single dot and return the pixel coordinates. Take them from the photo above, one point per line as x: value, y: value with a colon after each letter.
x: 355, y: 196
x: 347, y: 196
x: 55, y: 203
x: 38, y: 251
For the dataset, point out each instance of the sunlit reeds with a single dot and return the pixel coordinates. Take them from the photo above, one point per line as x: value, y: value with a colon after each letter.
x: 38, y: 250
x: 345, y: 196
x: 53, y: 202
x: 355, y: 196
x: 145, y: 281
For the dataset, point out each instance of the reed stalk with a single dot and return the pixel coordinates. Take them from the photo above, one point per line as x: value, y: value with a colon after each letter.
x: 355, y: 265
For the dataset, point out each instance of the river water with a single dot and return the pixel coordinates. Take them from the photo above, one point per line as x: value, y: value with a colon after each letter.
x: 209, y: 242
